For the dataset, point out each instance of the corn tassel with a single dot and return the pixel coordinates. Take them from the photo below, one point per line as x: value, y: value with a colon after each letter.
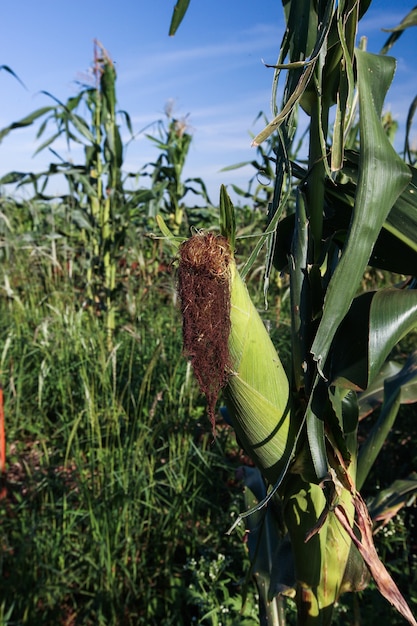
x: 230, y: 349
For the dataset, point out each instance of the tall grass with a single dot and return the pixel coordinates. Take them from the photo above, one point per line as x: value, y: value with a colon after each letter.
x: 116, y: 490
x: 117, y: 494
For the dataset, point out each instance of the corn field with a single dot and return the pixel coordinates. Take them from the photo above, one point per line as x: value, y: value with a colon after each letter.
x: 207, y: 413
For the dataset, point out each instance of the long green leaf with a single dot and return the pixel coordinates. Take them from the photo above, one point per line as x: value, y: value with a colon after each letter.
x: 79, y: 123
x: 25, y: 121
x: 9, y: 70
x: 307, y: 67
x: 347, y: 23
x: 13, y: 177
x: 382, y: 177
x: 392, y: 401
x: 376, y: 321
x: 47, y: 142
x: 314, y: 417
x: 396, y: 247
x: 180, y: 10
x: 227, y: 218
x: 389, y: 501
x: 299, y: 292
x: 372, y: 398
x: 407, y: 144
x: 409, y: 20
x: 393, y: 314
x: 174, y: 241
x: 265, y: 552
x: 402, y: 219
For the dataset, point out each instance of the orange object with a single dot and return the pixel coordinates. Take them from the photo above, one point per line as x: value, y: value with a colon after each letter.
x: 2, y: 446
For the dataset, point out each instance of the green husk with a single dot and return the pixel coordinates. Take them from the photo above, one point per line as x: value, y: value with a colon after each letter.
x: 321, y: 548
x: 257, y: 394
x: 230, y: 349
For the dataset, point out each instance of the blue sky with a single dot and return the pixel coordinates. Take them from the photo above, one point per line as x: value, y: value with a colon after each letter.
x: 212, y: 69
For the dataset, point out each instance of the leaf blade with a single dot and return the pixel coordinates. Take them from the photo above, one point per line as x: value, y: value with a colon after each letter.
x: 382, y: 177
x: 180, y: 10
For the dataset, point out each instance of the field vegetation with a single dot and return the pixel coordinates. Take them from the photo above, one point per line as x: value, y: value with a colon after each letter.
x: 116, y: 491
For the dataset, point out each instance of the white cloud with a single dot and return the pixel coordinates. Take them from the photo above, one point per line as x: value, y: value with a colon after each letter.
x: 375, y: 21
x: 265, y: 38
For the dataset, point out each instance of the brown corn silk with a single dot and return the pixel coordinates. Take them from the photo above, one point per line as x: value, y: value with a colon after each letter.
x: 204, y: 290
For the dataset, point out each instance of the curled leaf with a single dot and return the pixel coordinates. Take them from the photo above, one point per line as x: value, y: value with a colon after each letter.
x: 366, y: 547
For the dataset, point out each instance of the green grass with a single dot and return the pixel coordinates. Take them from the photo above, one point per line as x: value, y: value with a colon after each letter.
x: 118, y: 497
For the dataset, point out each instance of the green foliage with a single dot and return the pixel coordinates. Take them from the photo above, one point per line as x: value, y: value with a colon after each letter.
x: 180, y: 10
x: 113, y: 485
x: 341, y: 337
x: 117, y: 494
x: 173, y: 142
x: 98, y: 209
x: 260, y: 189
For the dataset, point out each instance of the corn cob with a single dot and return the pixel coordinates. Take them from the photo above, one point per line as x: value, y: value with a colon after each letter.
x: 230, y: 349
x: 321, y: 549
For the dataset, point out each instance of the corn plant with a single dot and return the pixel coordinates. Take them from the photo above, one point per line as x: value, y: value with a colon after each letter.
x: 173, y: 139
x: 355, y: 208
x: 260, y: 190
x: 98, y: 209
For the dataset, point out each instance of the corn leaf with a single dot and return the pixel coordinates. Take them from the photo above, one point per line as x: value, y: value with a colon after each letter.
x: 393, y: 314
x: 409, y: 20
x: 396, y: 247
x: 265, y: 550
x: 227, y: 217
x: 401, y: 221
x: 299, y: 292
x: 366, y: 547
x: 12, y: 178
x: 315, y: 430
x: 376, y: 321
x: 392, y: 399
x: 180, y: 10
x: 9, y: 70
x: 320, y: 549
x: 300, y: 51
x: 347, y: 21
x: 382, y: 177
x: 371, y: 399
x: 174, y: 241
x: 268, y: 233
x: 25, y: 121
x: 391, y: 500
x: 410, y: 116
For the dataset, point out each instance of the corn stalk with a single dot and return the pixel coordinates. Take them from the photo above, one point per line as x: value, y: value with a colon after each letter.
x: 106, y: 162
x: 97, y: 204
